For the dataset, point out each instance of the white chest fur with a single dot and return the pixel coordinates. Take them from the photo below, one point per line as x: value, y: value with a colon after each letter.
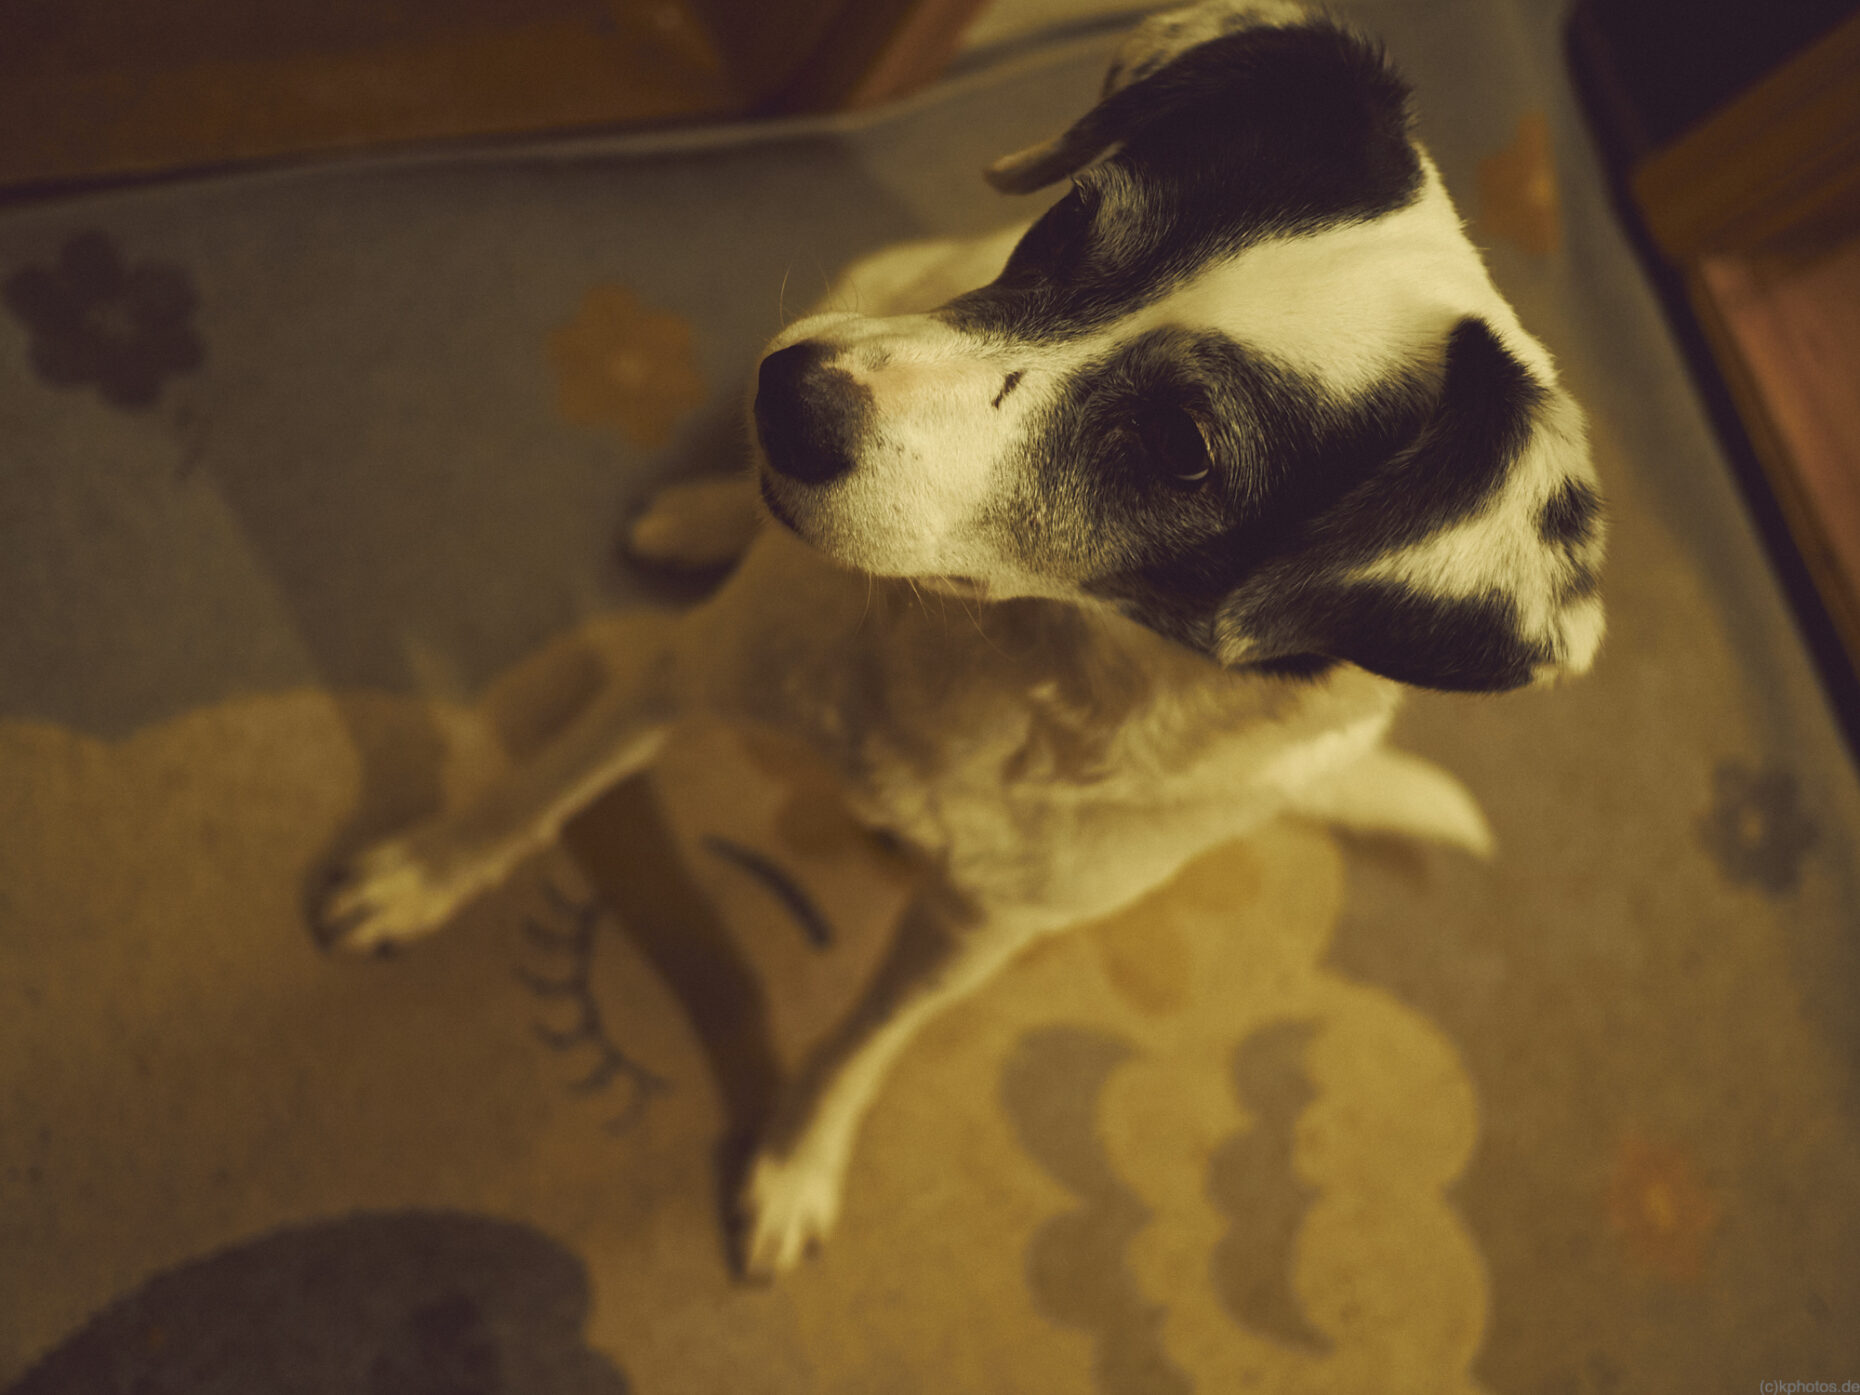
x: 1042, y: 756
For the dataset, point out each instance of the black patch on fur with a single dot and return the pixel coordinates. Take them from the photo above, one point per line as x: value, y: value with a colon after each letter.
x: 1274, y: 444
x: 1284, y: 453
x: 1584, y: 581
x: 1460, y: 458
x: 1571, y: 522
x: 1257, y: 134
x: 1012, y: 381
x: 1310, y: 489
x: 1298, y: 469
x: 1299, y: 668
x: 1457, y: 645
x: 1570, y: 515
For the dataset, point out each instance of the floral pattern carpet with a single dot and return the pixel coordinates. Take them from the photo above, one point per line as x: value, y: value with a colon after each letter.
x: 310, y: 486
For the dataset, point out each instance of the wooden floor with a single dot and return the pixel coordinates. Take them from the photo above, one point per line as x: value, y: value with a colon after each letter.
x: 109, y: 88
x: 1754, y: 209
x: 1793, y: 325
x: 119, y: 87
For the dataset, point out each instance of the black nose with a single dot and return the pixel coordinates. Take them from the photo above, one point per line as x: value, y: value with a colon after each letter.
x: 809, y: 416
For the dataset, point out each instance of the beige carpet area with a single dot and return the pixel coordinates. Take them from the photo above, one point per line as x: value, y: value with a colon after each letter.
x: 309, y: 487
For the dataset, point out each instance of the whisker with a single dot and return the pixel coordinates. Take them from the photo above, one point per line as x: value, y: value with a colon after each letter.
x: 975, y: 619
x: 923, y: 601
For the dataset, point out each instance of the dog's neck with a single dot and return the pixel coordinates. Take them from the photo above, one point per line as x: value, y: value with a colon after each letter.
x: 1084, y: 660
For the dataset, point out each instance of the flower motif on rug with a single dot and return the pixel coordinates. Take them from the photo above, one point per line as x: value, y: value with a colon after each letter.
x: 620, y: 363
x: 1662, y: 1210
x: 99, y: 321
x: 1518, y: 199
x: 1756, y: 830
x: 1255, y: 1155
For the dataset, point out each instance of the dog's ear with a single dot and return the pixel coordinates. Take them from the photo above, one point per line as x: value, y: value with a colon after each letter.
x: 1467, y: 562
x: 1139, y: 86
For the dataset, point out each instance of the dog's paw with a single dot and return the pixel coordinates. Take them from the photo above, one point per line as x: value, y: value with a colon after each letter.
x: 695, y: 526
x: 386, y: 894
x: 786, y: 1211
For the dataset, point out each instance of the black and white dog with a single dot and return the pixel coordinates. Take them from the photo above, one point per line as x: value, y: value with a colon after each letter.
x: 1100, y: 542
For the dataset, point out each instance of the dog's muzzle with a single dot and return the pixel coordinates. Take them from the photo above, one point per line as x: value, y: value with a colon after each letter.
x: 809, y: 415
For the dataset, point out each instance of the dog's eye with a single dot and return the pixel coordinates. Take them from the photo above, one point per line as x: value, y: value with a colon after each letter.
x: 1174, y: 447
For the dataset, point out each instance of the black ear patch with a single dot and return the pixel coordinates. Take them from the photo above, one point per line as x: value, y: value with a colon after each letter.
x: 1464, y: 451
x: 1321, y: 99
x: 1263, y: 133
x: 1468, y: 645
x: 1571, y: 522
x: 1572, y: 516
x: 1305, y: 600
x: 1300, y: 578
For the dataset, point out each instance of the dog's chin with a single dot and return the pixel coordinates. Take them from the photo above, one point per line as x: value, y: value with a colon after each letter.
x: 777, y: 507
x: 834, y: 549
x: 963, y: 588
x: 804, y: 523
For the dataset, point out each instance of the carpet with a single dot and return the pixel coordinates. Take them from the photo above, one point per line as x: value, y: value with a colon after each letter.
x: 310, y: 485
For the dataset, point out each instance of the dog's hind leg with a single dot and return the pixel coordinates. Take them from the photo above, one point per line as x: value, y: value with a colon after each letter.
x: 695, y: 525
x: 409, y: 885
x: 943, y: 951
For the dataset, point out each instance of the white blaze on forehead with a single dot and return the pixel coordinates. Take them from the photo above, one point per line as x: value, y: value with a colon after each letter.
x: 1351, y: 305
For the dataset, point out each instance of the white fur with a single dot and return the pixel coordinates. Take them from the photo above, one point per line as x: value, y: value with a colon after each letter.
x: 1353, y: 305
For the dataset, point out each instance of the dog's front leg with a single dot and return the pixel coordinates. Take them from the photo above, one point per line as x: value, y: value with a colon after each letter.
x: 944, y: 950
x: 410, y: 885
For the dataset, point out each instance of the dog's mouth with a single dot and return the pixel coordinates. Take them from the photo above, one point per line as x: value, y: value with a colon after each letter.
x: 773, y: 503
x: 966, y: 588
x: 963, y: 588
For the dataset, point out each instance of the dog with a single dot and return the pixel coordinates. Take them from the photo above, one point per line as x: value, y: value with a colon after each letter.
x: 1085, y: 547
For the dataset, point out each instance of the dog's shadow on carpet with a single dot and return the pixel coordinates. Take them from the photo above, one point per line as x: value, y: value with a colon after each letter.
x: 625, y: 846
x: 622, y: 842
x: 528, y: 694
x: 404, y: 1303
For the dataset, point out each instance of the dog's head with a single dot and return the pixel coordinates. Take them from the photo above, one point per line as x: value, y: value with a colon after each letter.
x: 1247, y: 382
